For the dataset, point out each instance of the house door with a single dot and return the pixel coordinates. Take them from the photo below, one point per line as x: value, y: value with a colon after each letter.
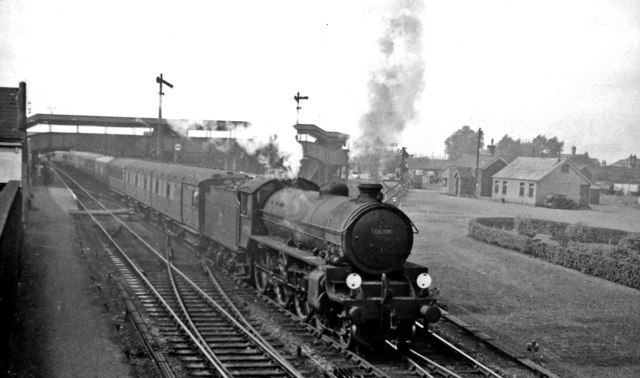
x: 584, y: 195
x: 457, y: 187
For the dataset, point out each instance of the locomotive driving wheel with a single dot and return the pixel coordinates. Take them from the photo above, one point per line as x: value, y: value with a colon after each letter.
x: 303, y: 309
x: 284, y: 293
x: 261, y: 276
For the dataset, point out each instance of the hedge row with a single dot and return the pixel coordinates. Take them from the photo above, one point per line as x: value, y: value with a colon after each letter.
x: 612, y: 263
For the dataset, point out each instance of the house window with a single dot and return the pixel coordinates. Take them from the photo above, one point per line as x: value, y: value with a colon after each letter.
x: 522, y: 189
x: 157, y: 190
x: 564, y: 168
x: 168, y: 190
x: 531, y: 186
x: 504, y: 187
x: 444, y: 182
x: 496, y: 187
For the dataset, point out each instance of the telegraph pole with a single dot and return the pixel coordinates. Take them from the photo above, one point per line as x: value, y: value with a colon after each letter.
x: 297, y: 97
x: 478, y: 162
x: 160, y: 81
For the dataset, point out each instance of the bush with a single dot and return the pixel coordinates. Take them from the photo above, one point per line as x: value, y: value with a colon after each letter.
x: 616, y: 259
x: 525, y: 226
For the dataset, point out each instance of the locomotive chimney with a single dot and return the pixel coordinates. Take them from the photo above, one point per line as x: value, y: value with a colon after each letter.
x: 370, y: 192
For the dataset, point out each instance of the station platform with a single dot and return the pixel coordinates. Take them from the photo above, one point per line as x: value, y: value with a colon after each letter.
x: 62, y: 327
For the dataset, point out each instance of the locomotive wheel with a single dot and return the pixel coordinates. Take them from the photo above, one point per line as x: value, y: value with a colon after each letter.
x: 346, y: 334
x: 261, y: 278
x: 284, y: 293
x: 303, y: 310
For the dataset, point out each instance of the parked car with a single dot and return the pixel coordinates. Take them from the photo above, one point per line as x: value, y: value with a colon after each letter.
x: 559, y: 201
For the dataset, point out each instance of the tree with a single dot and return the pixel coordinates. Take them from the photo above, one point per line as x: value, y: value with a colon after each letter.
x: 540, y: 146
x: 509, y: 149
x: 463, y: 141
x: 543, y: 147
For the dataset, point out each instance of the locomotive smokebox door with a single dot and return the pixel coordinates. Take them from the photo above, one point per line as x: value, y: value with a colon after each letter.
x: 381, y: 241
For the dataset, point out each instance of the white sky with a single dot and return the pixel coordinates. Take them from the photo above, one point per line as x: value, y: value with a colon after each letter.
x: 569, y: 69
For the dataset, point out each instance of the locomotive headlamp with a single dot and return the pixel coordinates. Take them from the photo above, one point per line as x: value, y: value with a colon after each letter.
x: 423, y: 280
x: 354, y: 281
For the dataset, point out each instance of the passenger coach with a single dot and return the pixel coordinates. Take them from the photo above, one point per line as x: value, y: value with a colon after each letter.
x: 174, y: 191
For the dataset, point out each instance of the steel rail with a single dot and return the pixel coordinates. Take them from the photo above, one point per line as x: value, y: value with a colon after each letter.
x: 256, y: 338
x: 432, y: 364
x: 164, y: 367
x: 239, y: 315
x: 213, y: 361
x: 477, y: 364
x: 194, y: 328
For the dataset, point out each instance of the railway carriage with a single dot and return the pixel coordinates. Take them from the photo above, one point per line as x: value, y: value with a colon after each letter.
x: 100, y: 171
x: 84, y: 162
x: 116, y: 174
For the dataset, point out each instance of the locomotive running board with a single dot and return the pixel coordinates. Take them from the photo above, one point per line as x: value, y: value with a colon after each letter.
x: 306, y: 256
x: 101, y: 212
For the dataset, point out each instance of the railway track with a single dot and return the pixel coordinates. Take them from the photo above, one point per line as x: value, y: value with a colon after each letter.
x: 212, y: 333
x: 206, y: 338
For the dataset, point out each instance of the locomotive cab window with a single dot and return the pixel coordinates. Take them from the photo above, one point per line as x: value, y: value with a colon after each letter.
x: 194, y: 198
x: 244, y: 203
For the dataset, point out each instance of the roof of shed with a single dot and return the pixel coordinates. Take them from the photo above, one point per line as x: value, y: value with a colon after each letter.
x: 532, y: 169
x: 464, y: 172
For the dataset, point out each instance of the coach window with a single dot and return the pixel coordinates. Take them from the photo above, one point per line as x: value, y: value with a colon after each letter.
x: 531, y: 186
x: 522, y: 189
x: 504, y: 187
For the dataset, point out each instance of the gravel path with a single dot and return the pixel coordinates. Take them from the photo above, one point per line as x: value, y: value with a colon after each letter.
x: 586, y: 326
x: 63, y: 327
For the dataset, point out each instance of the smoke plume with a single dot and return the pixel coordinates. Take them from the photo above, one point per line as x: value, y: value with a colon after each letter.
x: 396, y: 84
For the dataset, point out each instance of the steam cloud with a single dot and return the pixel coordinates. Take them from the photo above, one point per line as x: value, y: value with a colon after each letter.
x: 396, y: 85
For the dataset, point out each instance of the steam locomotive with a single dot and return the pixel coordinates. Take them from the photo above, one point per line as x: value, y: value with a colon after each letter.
x: 337, y: 261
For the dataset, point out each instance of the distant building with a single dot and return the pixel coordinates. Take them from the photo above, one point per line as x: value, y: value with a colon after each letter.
x: 529, y: 180
x: 631, y: 162
x: 427, y: 171
x: 459, y: 179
